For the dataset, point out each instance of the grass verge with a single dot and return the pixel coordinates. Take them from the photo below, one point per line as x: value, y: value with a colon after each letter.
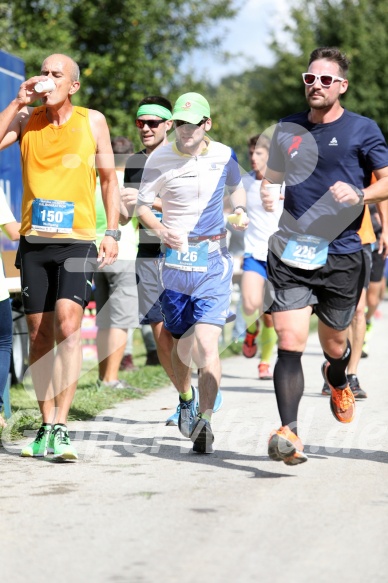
x: 89, y: 400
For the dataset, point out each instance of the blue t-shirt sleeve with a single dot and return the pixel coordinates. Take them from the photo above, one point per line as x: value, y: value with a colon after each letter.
x: 374, y: 147
x: 233, y: 177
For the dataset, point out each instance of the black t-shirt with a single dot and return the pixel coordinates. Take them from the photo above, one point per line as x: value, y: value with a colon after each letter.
x: 149, y: 246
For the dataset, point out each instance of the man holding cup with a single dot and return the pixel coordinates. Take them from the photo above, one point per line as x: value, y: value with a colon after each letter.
x: 60, y: 145
x: 315, y: 260
x: 191, y: 175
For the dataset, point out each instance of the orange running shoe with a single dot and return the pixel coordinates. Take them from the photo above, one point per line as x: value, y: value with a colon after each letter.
x: 264, y: 372
x: 249, y: 347
x: 342, y: 403
x: 285, y: 446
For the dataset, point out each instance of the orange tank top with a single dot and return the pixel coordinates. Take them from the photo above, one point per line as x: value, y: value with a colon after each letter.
x: 59, y: 177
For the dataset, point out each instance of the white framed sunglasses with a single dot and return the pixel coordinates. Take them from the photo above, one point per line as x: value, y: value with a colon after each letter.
x: 325, y: 80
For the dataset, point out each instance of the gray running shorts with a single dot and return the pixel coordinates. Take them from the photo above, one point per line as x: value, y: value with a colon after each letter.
x: 116, y: 296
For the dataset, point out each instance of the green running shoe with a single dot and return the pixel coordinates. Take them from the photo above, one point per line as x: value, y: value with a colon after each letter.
x: 59, y: 444
x: 38, y: 448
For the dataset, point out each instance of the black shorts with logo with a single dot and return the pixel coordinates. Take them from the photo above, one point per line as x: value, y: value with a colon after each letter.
x: 333, y: 290
x: 53, y: 271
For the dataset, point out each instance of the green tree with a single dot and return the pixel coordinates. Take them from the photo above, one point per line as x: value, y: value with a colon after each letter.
x: 357, y: 27
x: 126, y: 49
x: 5, y: 22
x: 360, y: 28
x: 233, y: 116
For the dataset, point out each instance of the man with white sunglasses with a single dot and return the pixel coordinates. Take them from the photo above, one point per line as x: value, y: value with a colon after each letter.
x: 326, y: 157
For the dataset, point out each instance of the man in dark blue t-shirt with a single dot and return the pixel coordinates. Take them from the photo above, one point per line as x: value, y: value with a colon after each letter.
x: 325, y: 156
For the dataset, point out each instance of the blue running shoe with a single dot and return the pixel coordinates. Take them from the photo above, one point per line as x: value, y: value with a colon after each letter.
x: 218, y: 402
x: 188, y: 411
x: 173, y: 419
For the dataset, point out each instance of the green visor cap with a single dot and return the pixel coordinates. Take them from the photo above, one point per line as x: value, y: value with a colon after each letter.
x: 191, y: 107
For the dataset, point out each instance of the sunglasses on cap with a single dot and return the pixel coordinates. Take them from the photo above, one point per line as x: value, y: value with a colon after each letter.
x: 151, y: 123
x: 178, y: 122
x: 325, y: 80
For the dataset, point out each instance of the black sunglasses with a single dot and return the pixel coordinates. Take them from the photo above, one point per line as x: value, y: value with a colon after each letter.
x: 179, y: 122
x: 151, y: 123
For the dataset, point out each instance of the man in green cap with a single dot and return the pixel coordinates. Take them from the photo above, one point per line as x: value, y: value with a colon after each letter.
x: 191, y: 175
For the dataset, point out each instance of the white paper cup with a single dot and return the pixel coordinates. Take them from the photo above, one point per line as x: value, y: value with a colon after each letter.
x: 274, y: 191
x: 45, y: 86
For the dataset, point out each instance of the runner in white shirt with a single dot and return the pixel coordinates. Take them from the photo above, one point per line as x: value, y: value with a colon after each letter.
x: 254, y: 280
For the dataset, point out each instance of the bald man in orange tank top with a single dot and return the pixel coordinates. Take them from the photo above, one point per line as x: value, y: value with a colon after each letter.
x: 60, y: 144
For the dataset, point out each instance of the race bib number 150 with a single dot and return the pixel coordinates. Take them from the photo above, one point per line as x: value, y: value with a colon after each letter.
x: 52, y: 216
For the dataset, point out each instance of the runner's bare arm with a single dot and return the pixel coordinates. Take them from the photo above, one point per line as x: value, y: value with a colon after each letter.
x: 382, y: 208
x: 272, y: 177
x: 239, y: 197
x: 128, y: 199
x: 376, y: 192
x: 239, y: 202
x: 171, y: 237
x: 148, y: 219
x: 15, y: 116
x: 108, y: 250
x: 12, y: 230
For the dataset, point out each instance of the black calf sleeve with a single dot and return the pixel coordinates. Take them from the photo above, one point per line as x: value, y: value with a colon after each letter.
x: 289, y: 385
x: 338, y: 366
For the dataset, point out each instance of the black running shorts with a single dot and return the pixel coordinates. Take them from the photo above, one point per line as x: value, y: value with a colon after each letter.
x: 53, y: 271
x: 332, y: 290
x: 367, y: 250
x: 378, y: 263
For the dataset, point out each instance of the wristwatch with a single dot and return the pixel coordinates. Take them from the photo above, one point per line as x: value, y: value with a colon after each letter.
x: 361, y: 195
x: 115, y: 233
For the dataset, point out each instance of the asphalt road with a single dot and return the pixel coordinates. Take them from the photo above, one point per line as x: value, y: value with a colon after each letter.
x: 139, y: 506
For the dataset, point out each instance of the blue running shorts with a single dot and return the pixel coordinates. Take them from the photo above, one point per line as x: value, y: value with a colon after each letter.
x: 252, y: 264
x: 192, y: 297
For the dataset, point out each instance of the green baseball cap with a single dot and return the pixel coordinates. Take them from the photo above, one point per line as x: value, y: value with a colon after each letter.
x: 191, y: 107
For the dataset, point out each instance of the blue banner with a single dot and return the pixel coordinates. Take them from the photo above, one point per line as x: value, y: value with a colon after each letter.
x: 12, y: 74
